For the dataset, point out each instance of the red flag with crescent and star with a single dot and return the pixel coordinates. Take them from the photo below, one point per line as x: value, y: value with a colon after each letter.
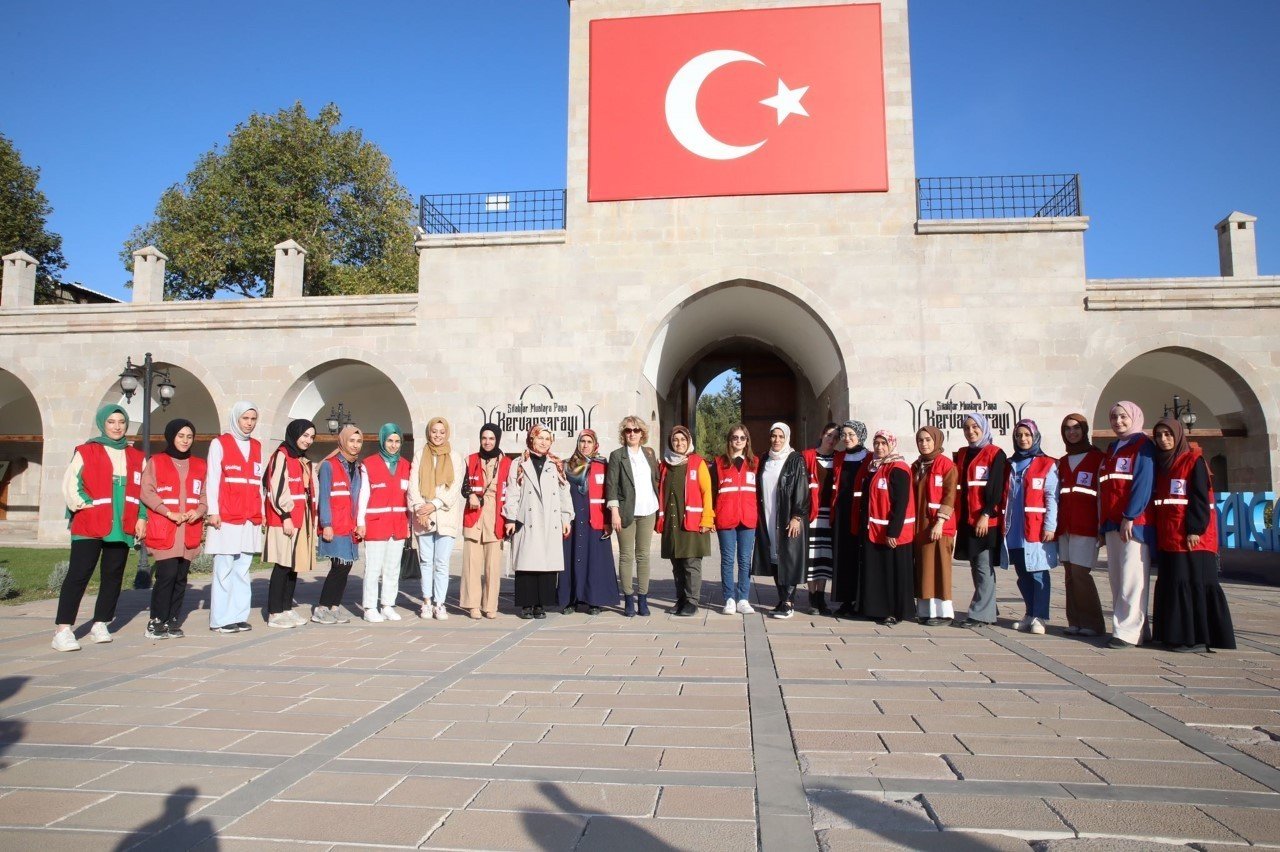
x: 755, y: 102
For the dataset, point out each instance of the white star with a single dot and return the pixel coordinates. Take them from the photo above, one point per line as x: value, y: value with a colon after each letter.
x: 787, y: 101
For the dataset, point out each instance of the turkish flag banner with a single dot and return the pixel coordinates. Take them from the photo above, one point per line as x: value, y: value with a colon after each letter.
x: 756, y: 102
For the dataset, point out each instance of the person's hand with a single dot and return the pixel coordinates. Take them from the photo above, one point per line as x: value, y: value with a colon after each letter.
x: 214, y: 521
x: 190, y: 517
x: 175, y: 517
x: 327, y: 533
x: 509, y: 529
x: 428, y: 509
x: 935, y: 531
x: 1193, y: 541
x: 140, y: 528
x: 568, y: 528
x: 706, y: 530
x: 892, y: 540
x: 1126, y: 530
x: 793, y: 528
x: 1047, y: 536
x: 616, y: 515
x: 360, y: 533
x: 473, y: 502
x: 982, y: 526
x: 289, y: 528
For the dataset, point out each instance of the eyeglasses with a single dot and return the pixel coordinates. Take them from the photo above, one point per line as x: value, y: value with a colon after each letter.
x: 630, y: 431
x: 737, y: 437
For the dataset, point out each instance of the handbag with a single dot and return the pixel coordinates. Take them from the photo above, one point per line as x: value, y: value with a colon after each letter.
x: 409, y: 567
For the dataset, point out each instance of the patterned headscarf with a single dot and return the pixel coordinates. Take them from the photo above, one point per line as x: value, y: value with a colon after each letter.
x: 859, y: 428
x: 1030, y: 425
x: 892, y: 456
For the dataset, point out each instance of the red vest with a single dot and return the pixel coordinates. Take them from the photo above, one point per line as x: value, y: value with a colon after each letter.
x: 475, y: 481
x: 240, y: 486
x: 94, y: 521
x: 342, y: 509
x: 973, y: 482
x: 933, y: 493
x: 811, y: 465
x: 692, y: 495
x: 1171, y: 493
x: 161, y: 531
x: 879, y: 506
x: 1078, y: 495
x: 859, y: 494
x: 736, y: 499
x: 1115, y: 478
x: 1033, y: 495
x: 595, y: 494
x: 387, y: 515
x: 296, y: 488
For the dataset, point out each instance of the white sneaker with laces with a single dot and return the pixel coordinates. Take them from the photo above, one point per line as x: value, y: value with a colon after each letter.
x: 297, y: 620
x: 100, y: 633
x: 425, y: 611
x: 441, y: 613
x: 282, y: 621
x: 730, y: 607
x: 390, y: 614
x: 1037, y: 627
x: 1022, y: 625
x: 373, y: 616
x: 65, y: 640
x: 744, y: 607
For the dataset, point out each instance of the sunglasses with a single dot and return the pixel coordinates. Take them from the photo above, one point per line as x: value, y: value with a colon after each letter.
x: 737, y: 437
x: 630, y: 431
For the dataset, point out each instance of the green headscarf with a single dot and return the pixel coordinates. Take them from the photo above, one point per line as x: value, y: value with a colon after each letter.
x: 101, y: 420
x: 387, y: 430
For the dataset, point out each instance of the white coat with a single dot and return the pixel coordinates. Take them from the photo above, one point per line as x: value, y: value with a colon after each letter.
x: 541, y: 505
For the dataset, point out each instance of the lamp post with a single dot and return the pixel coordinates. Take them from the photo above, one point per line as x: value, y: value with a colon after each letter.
x: 338, y: 418
x: 1181, y: 412
x: 144, y: 375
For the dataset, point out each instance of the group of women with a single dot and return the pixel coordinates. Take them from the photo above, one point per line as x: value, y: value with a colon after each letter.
x: 880, y: 531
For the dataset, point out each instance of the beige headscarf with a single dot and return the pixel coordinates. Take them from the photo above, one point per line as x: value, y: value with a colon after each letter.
x: 440, y: 470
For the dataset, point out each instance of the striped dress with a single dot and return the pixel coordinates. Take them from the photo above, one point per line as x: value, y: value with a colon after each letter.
x: 821, y: 561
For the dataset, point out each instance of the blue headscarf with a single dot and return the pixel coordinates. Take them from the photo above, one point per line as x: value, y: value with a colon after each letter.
x: 985, y: 425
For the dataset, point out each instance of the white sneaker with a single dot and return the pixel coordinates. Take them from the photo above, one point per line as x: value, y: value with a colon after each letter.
x: 744, y: 608
x: 390, y: 614
x: 730, y: 607
x: 1037, y: 627
x: 425, y: 611
x: 281, y: 620
x: 441, y: 613
x: 374, y: 617
x: 100, y: 633
x: 65, y: 640
x: 1022, y: 625
x: 297, y: 620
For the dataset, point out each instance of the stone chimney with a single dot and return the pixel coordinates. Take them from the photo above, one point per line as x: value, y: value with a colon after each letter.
x: 19, y: 282
x: 148, y: 274
x: 1237, y: 246
x: 287, y: 283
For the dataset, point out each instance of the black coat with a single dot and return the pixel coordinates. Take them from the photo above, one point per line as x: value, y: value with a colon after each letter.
x: 793, y: 502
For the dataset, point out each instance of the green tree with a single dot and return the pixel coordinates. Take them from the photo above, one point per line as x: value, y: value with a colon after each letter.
x: 24, y: 211
x: 279, y: 177
x: 716, y: 413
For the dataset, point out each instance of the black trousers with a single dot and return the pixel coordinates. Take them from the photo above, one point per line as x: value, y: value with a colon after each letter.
x: 170, y: 587
x: 535, y: 588
x: 335, y: 583
x: 786, y: 594
x: 85, y: 553
x: 280, y: 591
x: 688, y: 576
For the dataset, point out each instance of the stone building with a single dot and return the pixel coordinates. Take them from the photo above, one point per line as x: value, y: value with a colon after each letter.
x: 829, y: 302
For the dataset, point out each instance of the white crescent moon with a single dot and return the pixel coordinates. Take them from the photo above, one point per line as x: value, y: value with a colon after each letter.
x: 682, y: 106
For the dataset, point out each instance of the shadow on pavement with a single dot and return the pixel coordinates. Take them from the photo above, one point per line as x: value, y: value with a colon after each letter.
x: 175, y: 821
x: 908, y: 824
x: 11, y: 730
x: 601, y: 831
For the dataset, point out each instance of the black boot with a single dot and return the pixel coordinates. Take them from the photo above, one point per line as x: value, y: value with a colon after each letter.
x: 642, y: 605
x: 630, y: 609
x: 818, y: 601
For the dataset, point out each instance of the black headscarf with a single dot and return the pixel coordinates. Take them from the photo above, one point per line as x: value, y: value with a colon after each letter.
x: 292, y: 433
x: 497, y: 449
x: 171, y: 431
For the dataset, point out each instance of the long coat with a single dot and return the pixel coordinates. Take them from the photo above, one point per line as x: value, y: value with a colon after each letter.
x: 540, y: 506
x: 793, y: 499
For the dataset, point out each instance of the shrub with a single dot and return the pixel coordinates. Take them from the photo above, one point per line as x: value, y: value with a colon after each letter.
x: 57, y: 575
x: 202, y: 564
x: 8, y: 586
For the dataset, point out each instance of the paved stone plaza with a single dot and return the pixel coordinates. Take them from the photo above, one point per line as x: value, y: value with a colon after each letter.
x: 582, y: 732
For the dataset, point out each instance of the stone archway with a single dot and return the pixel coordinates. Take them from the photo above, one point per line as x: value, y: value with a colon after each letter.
x: 366, y: 393
x: 193, y: 400
x: 21, y: 458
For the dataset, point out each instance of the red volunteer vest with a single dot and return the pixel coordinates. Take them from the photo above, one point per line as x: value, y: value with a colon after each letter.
x: 1078, y: 495
x: 811, y: 465
x: 94, y: 521
x: 973, y: 481
x: 1034, y: 507
x: 297, y: 490
x: 1171, y: 494
x: 692, y: 495
x: 736, y: 498
x: 342, y: 509
x: 387, y: 515
x: 858, y: 495
x: 879, y: 506
x: 475, y: 480
x: 161, y: 531
x: 240, y: 486
x: 1115, y: 480
x: 933, y: 494
x: 595, y: 494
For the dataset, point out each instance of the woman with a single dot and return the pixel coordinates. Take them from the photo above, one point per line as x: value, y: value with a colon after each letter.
x: 888, y: 524
x: 173, y: 492
x: 1190, y: 611
x: 233, y: 492
x: 982, y: 470
x: 482, y: 522
x: 848, y: 544
x: 102, y: 489
x: 435, y: 499
x: 1125, y: 481
x: 341, y: 480
x: 631, y: 495
x: 783, y: 506
x: 736, y: 518
x: 1030, y: 521
x: 588, y: 576
x: 291, y: 521
x: 820, y: 463
x: 383, y: 513
x: 935, y: 477
x: 539, y: 516
x: 1078, y: 526
x: 686, y: 517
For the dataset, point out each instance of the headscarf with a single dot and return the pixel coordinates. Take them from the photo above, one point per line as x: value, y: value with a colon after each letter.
x: 1165, y: 458
x: 295, y: 430
x: 347, y: 431
x: 859, y: 428
x: 578, y: 462
x: 1084, y: 445
x: 893, y: 455
x: 933, y: 432
x: 985, y: 425
x: 488, y: 455
x: 100, y: 420
x: 669, y: 455
x: 171, y: 430
x: 392, y: 459
x: 436, y: 468
x: 1136, y: 417
x: 1019, y: 455
x: 786, y: 445
x: 233, y: 422
x: 534, y: 431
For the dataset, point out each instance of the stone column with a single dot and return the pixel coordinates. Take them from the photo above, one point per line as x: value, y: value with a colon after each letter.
x: 148, y: 274
x: 1237, y: 246
x: 290, y: 260
x: 19, y: 280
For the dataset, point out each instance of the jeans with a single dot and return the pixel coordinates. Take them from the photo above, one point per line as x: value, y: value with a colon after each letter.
x: 739, y: 543
x: 230, y: 597
x: 382, y: 566
x: 1033, y: 585
x: 434, y: 551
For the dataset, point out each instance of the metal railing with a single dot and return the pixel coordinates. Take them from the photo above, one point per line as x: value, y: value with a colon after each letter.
x: 998, y: 197
x: 481, y: 212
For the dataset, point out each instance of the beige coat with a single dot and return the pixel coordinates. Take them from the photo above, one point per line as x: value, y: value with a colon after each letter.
x: 447, y: 518
x: 542, y: 505
x: 299, y: 550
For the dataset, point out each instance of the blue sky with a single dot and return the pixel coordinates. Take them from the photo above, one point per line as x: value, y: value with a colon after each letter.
x: 1168, y: 108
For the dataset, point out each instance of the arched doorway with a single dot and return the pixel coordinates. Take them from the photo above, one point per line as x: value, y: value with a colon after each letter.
x: 21, y: 458
x: 1230, y: 424
x: 368, y: 397
x: 191, y: 401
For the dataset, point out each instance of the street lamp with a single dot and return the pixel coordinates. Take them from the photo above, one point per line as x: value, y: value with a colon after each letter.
x: 1181, y: 412
x: 131, y: 378
x: 337, y: 419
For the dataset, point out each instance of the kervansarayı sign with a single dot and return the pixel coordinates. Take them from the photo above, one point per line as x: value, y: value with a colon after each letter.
x: 961, y: 400
x: 537, y: 405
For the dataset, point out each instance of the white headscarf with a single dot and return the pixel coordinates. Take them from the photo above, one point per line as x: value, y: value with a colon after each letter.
x: 786, y: 448
x: 237, y: 411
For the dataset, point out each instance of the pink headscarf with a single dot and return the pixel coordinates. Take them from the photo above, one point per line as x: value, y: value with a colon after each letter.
x: 1135, y: 416
x: 893, y: 456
